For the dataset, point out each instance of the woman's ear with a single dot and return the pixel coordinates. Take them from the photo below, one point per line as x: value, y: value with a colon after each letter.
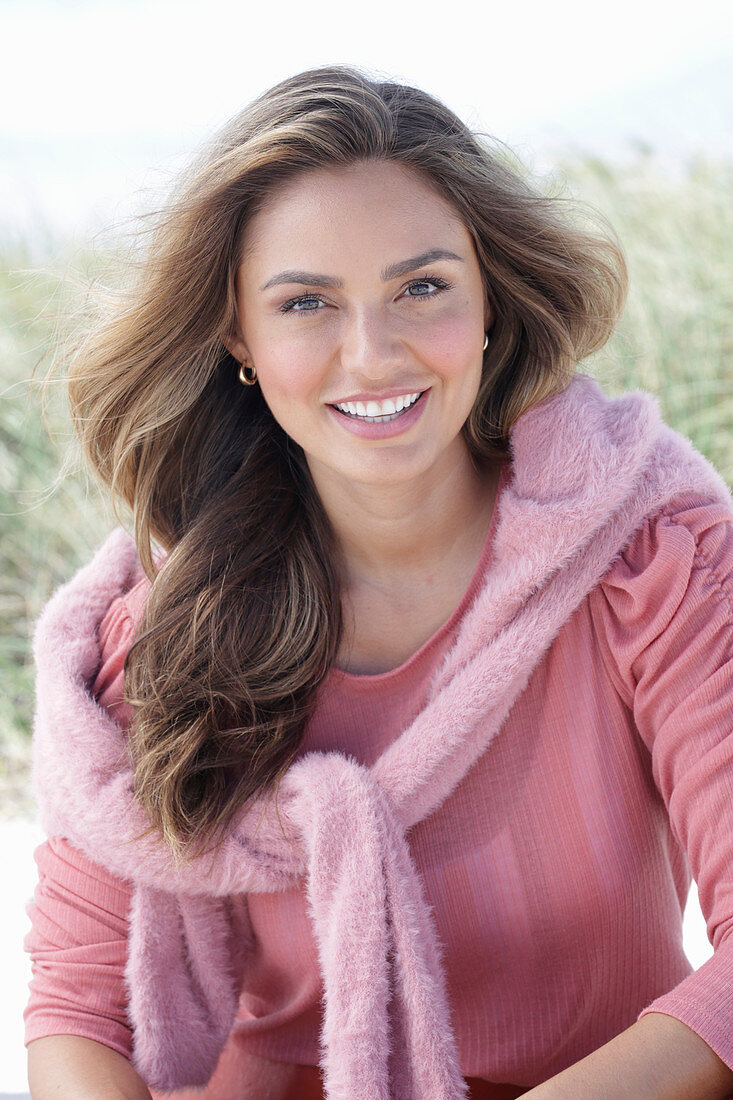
x: 236, y: 347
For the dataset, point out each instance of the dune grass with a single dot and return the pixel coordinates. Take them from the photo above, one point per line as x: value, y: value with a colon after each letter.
x: 49, y: 522
x: 675, y: 340
x: 676, y: 336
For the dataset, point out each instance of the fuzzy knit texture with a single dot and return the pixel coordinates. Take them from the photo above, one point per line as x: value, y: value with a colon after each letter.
x: 587, y: 471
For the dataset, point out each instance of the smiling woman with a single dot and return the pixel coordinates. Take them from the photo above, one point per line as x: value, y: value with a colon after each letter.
x: 381, y: 524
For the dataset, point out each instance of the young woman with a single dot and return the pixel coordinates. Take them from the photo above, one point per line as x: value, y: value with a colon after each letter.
x: 378, y: 764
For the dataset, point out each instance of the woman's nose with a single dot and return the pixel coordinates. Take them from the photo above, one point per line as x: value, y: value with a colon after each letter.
x: 371, y: 344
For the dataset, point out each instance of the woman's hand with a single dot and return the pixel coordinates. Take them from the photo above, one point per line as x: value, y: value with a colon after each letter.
x: 658, y: 1058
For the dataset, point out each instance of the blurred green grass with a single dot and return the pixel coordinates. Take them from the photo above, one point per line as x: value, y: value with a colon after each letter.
x: 49, y: 523
x: 675, y: 340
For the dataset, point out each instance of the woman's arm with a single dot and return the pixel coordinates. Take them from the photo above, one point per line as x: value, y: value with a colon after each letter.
x: 78, y: 945
x: 665, y: 612
x: 67, y: 1066
x: 657, y: 1058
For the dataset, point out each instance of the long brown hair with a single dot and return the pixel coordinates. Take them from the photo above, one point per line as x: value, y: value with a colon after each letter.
x: 244, y: 618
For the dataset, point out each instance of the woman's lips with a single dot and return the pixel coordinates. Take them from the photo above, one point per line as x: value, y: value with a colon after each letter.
x: 394, y: 425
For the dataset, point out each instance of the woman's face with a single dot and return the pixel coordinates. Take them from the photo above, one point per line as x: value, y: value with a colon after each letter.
x: 359, y: 289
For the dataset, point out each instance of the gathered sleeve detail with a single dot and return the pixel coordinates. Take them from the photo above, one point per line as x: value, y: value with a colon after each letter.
x: 664, y: 615
x: 116, y: 635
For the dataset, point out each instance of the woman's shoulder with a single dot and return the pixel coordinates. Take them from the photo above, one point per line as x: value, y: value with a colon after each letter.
x: 122, y: 618
x: 690, y: 534
x: 668, y: 597
x: 116, y: 634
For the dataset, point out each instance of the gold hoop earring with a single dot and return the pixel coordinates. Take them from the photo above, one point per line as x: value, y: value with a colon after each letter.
x: 486, y: 342
x: 247, y: 374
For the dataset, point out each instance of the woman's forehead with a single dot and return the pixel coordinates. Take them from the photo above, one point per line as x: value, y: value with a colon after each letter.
x: 373, y: 200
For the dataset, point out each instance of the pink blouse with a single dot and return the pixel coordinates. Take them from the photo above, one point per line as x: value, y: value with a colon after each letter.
x: 559, y: 867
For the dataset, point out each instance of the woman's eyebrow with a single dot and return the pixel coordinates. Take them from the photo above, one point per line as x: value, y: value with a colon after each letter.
x: 311, y: 278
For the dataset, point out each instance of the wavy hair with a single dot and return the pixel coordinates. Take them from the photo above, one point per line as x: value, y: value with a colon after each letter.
x: 243, y: 621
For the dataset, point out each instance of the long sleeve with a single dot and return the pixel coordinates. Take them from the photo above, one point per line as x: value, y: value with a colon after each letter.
x: 78, y: 936
x: 667, y: 610
x: 78, y: 946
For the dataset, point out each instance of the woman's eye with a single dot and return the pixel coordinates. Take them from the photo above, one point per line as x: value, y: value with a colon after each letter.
x: 307, y: 303
x: 426, y: 288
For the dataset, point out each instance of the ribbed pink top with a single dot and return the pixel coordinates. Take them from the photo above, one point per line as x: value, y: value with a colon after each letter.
x: 558, y: 868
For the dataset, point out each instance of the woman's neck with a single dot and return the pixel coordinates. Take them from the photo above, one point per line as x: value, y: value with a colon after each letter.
x: 400, y: 534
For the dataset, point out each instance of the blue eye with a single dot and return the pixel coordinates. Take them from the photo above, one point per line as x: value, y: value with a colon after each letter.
x: 431, y: 282
x: 303, y: 304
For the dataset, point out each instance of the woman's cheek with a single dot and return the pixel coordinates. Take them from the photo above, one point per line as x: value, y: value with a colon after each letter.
x: 303, y: 353
x: 453, y: 343
x: 290, y: 374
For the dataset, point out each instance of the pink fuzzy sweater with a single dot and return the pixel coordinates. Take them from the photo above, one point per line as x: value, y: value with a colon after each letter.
x: 617, y: 753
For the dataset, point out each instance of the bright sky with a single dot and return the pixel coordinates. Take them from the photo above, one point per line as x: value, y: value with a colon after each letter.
x: 92, y: 94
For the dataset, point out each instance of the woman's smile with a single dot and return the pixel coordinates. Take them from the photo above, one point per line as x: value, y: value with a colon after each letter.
x: 381, y: 420
x: 373, y: 408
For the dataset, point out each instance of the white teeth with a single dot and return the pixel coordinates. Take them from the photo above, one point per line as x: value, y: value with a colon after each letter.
x: 379, y: 410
